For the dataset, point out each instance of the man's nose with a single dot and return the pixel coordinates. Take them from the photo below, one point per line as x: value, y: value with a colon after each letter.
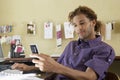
x: 79, y: 27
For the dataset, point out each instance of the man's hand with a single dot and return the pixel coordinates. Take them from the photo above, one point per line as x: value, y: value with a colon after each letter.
x: 48, y: 64
x: 44, y: 62
x: 22, y: 67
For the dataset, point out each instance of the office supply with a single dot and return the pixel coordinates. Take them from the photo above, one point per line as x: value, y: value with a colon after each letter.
x: 16, y: 48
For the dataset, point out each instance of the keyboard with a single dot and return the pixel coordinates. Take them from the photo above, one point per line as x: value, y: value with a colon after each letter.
x: 10, y: 72
x: 4, y: 67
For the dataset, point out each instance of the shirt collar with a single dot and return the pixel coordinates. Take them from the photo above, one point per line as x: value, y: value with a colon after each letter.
x: 92, y: 42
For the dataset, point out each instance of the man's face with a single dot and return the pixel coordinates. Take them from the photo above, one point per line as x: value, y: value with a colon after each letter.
x: 84, y: 27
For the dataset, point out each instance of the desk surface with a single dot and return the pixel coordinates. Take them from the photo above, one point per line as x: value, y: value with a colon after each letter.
x: 117, y: 58
x: 18, y: 60
x: 10, y: 60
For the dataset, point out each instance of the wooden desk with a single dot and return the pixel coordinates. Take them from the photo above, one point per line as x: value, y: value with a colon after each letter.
x: 22, y: 60
x: 12, y: 60
x: 28, y: 60
x: 117, y: 58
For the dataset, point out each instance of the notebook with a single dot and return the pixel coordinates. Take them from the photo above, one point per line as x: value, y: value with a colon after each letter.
x: 1, y: 54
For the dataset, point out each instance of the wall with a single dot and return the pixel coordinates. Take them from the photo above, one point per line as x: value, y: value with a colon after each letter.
x: 20, y: 12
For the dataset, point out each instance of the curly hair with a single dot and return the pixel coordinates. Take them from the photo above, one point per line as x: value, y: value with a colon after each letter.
x: 89, y: 13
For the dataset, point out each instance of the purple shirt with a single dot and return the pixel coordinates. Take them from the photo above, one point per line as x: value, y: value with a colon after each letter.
x: 95, y: 54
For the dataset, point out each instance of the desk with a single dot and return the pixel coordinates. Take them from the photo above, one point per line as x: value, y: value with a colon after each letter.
x: 11, y: 60
x: 117, y: 58
x: 21, y: 60
x: 28, y: 60
x: 24, y: 60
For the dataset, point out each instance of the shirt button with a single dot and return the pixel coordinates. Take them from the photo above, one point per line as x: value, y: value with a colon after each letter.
x: 75, y: 54
x: 81, y: 46
x: 83, y: 60
x: 109, y: 60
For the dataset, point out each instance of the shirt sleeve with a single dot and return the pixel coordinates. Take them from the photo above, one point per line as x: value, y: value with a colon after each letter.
x: 101, y: 61
x: 60, y: 58
x: 64, y: 52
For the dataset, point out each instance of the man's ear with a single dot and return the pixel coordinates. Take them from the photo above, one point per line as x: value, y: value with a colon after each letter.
x: 93, y: 23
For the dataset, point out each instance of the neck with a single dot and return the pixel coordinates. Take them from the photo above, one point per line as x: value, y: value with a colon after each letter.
x: 90, y: 37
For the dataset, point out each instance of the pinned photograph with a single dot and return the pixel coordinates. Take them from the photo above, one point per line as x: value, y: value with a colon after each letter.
x: 31, y: 28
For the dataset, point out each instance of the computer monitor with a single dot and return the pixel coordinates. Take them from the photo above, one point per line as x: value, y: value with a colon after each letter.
x: 1, y: 54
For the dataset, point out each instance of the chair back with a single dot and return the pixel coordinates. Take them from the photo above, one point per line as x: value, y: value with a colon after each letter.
x: 111, y: 76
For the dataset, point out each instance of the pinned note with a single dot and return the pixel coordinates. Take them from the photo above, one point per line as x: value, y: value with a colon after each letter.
x: 59, y: 35
x: 69, y: 30
x: 48, y: 30
x: 108, y: 29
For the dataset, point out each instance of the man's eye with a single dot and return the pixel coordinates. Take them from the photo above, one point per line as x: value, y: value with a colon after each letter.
x: 75, y: 25
x: 81, y: 23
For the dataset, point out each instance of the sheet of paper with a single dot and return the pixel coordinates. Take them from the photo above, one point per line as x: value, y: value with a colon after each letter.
x: 59, y: 35
x: 2, y: 40
x: 48, y: 30
x: 16, y: 37
x: 108, y: 29
x: 69, y: 30
x: 30, y: 76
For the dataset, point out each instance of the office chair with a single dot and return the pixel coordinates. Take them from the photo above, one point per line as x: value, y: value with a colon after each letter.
x: 111, y: 76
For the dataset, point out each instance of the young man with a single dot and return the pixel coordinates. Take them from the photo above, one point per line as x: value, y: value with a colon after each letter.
x: 88, y: 58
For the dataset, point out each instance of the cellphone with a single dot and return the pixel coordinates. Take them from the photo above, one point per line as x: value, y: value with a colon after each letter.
x: 34, y: 48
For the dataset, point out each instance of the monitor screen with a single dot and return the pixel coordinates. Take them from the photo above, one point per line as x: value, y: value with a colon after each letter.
x: 1, y: 52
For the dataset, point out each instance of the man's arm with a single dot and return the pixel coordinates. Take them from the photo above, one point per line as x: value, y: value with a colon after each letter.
x: 47, y: 64
x: 23, y: 67
x: 89, y: 74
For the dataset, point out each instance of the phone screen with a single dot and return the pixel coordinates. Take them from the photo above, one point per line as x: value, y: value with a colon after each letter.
x: 34, y: 49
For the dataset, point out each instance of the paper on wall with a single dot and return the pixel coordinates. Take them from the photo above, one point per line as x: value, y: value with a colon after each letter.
x: 16, y: 37
x: 48, y: 30
x: 59, y: 35
x: 69, y: 30
x: 2, y: 40
x: 31, y: 28
x: 108, y: 29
